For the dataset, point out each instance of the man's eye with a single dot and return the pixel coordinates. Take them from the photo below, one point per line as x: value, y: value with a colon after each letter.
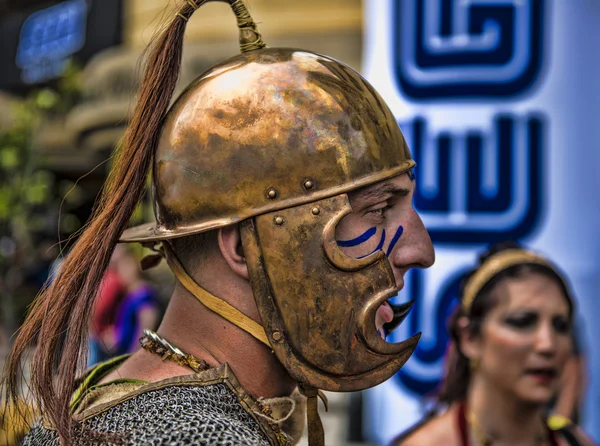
x: 380, y: 211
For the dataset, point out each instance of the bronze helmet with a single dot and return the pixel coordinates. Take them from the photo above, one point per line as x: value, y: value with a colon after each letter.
x: 274, y: 139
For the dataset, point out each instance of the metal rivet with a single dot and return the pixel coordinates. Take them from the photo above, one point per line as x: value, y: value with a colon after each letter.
x: 316, y: 211
x: 277, y: 336
x: 279, y: 220
x: 308, y: 184
x: 272, y: 193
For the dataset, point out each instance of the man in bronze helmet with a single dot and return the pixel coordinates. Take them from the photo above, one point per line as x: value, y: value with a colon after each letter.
x: 283, y: 200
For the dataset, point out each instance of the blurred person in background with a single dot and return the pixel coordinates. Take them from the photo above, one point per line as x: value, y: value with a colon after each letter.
x: 511, y: 343
x: 283, y: 192
x: 137, y: 310
x: 126, y: 305
x: 110, y: 295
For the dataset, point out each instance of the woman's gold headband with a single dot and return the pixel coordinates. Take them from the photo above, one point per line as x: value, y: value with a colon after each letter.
x: 494, y: 266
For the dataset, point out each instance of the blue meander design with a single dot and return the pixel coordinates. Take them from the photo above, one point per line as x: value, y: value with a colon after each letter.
x: 427, y: 355
x: 467, y: 48
x: 478, y: 187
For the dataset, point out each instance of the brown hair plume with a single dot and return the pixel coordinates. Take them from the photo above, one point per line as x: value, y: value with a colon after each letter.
x: 59, y: 317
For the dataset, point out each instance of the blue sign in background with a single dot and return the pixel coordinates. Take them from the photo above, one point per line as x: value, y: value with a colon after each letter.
x: 497, y: 100
x: 37, y: 41
x: 458, y: 49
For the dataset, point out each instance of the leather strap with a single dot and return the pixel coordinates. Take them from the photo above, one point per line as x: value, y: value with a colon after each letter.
x: 214, y: 303
x: 316, y: 434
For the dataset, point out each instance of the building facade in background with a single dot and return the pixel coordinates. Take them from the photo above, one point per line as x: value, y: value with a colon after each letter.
x: 106, y: 39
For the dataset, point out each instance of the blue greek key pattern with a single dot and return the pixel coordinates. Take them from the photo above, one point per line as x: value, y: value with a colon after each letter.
x: 467, y: 48
x: 475, y: 187
x: 422, y: 373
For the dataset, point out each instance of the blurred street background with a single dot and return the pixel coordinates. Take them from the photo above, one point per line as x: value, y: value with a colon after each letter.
x: 498, y: 102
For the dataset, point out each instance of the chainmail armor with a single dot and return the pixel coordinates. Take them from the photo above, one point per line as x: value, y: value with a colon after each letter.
x: 174, y: 415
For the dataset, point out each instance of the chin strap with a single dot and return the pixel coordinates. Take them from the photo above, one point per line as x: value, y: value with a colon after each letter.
x: 213, y: 303
x: 316, y: 434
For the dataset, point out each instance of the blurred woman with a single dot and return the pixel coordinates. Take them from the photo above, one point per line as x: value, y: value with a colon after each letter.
x: 136, y: 310
x: 511, y: 338
x: 110, y: 295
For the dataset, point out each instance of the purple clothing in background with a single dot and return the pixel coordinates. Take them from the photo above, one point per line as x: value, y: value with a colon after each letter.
x: 127, y: 324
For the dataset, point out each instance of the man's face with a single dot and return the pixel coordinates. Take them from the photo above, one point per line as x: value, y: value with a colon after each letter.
x: 383, y: 218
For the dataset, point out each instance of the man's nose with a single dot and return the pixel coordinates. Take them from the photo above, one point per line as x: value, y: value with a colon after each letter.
x: 416, y: 250
x: 425, y: 247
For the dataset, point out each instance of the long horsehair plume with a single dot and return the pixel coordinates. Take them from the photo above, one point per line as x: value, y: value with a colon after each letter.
x: 61, y: 312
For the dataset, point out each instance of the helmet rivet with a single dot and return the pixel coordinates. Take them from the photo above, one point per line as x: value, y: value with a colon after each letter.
x: 277, y: 336
x: 279, y: 221
x: 272, y: 193
x: 316, y: 211
x: 308, y: 184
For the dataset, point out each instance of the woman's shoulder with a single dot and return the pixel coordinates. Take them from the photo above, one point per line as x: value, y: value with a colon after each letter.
x: 440, y: 430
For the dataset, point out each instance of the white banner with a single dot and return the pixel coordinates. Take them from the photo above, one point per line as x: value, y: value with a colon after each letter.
x: 498, y: 100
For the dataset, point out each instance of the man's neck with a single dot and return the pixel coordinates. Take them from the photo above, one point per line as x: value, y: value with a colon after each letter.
x: 503, y: 417
x: 202, y: 333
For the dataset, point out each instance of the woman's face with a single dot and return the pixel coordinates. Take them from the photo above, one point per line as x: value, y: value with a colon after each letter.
x: 526, y: 338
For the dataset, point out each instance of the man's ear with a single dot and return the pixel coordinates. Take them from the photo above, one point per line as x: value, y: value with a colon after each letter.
x: 230, y: 244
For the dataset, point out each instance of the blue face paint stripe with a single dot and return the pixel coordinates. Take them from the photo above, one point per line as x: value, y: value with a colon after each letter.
x: 397, y: 235
x: 381, y: 242
x: 358, y: 240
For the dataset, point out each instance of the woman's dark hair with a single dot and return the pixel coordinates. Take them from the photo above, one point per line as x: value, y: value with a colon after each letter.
x: 457, y: 369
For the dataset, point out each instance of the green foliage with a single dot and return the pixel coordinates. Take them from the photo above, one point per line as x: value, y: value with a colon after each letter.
x: 24, y: 183
x: 9, y: 158
x: 28, y: 191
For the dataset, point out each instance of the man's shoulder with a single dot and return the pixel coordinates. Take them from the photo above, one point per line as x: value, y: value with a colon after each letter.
x: 200, y: 414
x: 183, y: 410
x: 439, y: 430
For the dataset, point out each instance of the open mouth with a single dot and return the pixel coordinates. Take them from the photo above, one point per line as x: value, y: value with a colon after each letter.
x: 392, y: 315
x: 374, y: 323
x: 385, y: 312
x: 543, y: 374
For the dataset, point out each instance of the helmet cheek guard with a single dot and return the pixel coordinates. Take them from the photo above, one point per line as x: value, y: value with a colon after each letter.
x: 318, y: 305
